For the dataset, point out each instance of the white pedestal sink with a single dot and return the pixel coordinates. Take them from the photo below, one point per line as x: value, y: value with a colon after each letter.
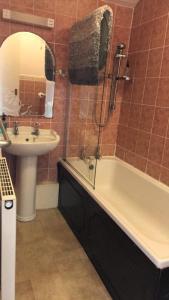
x: 27, y: 147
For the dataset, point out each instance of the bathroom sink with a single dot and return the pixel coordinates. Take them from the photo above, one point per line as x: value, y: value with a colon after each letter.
x: 27, y: 147
x: 27, y: 144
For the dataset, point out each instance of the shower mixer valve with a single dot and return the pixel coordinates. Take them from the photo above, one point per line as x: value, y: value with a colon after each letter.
x: 119, y: 51
x: 117, y: 59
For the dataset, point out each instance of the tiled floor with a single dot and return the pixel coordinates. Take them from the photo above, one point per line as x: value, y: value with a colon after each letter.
x: 51, y: 265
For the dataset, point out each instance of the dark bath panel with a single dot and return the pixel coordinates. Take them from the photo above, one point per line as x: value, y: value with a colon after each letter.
x: 125, y: 270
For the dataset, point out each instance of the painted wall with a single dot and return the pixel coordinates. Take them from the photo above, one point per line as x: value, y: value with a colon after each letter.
x: 32, y: 62
x: 143, y: 135
x: 65, y: 14
x: 9, y: 60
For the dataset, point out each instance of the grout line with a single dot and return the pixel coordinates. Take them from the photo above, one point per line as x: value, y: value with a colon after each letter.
x: 121, y: 3
x: 131, y: 100
x: 140, y: 156
x: 150, y: 21
x: 157, y: 93
x: 166, y: 138
x: 129, y: 40
x: 145, y: 50
x: 144, y: 104
x: 144, y: 90
x: 77, y: 6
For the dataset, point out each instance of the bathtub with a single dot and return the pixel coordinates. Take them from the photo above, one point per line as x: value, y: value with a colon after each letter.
x: 137, y: 203
x: 82, y: 167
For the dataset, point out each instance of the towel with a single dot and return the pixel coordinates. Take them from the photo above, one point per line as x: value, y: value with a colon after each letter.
x: 10, y: 105
x: 50, y: 89
x: 49, y: 65
x: 89, y: 45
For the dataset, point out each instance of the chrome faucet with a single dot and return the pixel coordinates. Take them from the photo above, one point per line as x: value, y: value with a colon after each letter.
x: 83, y: 155
x: 36, y: 129
x: 15, y: 128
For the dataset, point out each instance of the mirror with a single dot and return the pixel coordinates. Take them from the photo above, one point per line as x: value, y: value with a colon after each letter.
x: 27, y: 76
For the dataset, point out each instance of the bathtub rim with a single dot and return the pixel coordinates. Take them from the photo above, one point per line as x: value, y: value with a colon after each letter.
x: 158, y: 253
x: 85, y: 178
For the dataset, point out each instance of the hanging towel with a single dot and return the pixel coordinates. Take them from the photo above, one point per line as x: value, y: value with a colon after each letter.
x: 49, y: 65
x: 89, y: 44
x: 50, y: 89
x: 10, y: 105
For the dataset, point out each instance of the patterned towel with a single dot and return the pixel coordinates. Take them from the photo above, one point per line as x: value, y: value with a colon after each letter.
x: 89, y: 45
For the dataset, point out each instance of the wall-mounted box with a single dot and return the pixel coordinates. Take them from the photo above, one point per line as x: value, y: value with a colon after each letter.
x: 15, y: 16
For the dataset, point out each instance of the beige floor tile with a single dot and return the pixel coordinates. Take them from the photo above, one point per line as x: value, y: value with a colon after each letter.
x: 51, y: 220
x: 35, y: 259
x: 50, y: 287
x: 86, y: 288
x: 75, y: 264
x: 30, y: 231
x: 50, y: 215
x: 52, y: 264
x: 24, y: 291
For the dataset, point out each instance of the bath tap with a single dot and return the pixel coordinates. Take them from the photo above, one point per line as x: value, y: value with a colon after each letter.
x: 36, y: 129
x: 86, y: 158
x: 82, y: 154
x: 15, y: 129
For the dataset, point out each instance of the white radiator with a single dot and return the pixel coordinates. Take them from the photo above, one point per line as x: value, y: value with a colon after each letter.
x: 8, y: 233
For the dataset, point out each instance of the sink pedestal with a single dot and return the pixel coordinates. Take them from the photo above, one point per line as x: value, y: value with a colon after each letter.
x: 27, y: 147
x: 26, y: 187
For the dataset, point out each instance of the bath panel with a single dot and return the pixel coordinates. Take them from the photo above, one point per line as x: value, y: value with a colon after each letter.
x: 127, y: 268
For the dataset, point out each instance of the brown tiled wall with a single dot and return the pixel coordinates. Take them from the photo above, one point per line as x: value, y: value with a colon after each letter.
x: 65, y: 14
x: 85, y: 100
x: 28, y: 94
x: 143, y: 134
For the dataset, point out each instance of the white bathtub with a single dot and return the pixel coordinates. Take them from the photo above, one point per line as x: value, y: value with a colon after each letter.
x: 82, y: 166
x: 136, y: 202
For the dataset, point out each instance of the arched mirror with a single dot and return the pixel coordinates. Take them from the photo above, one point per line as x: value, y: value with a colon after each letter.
x: 27, y: 76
